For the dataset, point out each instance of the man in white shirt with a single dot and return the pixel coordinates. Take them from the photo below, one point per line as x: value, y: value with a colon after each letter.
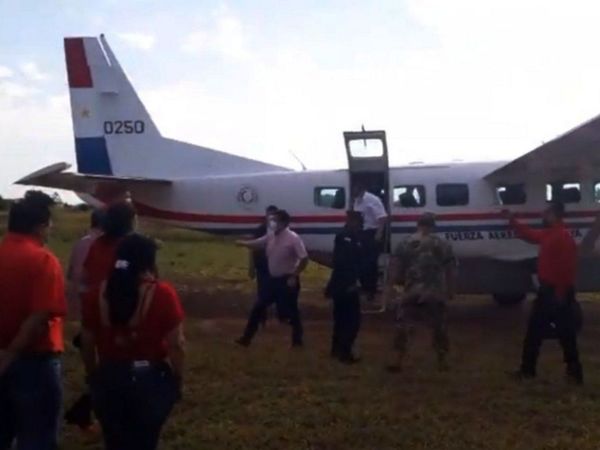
x: 375, y: 219
x: 76, y: 286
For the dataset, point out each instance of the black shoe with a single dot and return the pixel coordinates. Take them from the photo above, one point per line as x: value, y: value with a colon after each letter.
x: 575, y: 375
x: 393, y: 368
x: 243, y: 342
x: 521, y: 375
x: 348, y: 359
x: 575, y: 380
x: 443, y: 366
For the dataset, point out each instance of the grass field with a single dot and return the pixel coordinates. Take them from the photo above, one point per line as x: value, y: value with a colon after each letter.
x: 270, y: 397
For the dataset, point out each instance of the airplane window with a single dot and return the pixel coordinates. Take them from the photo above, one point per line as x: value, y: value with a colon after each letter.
x: 330, y: 197
x: 564, y: 192
x: 366, y: 148
x: 452, y: 194
x: 409, y: 196
x: 597, y: 192
x: 511, y: 194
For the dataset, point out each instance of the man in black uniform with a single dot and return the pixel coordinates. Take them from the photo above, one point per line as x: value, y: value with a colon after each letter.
x: 343, y: 288
x: 258, y: 267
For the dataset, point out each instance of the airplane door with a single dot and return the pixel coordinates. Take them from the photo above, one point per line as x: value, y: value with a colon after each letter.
x: 367, y: 151
x: 368, y: 164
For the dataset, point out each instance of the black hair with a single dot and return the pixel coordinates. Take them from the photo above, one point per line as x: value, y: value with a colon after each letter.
x: 118, y: 220
x: 97, y: 218
x: 271, y: 209
x: 557, y: 208
x: 282, y: 216
x: 136, y: 255
x: 359, y: 185
x: 29, y: 213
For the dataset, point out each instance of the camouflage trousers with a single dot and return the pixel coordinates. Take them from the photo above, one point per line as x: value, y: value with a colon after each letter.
x: 410, y: 314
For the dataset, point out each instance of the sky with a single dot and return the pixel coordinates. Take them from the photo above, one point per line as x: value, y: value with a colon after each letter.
x: 460, y: 80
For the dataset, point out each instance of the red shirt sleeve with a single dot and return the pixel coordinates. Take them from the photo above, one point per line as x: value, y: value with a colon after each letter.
x: 48, y: 287
x: 526, y: 232
x: 171, y: 311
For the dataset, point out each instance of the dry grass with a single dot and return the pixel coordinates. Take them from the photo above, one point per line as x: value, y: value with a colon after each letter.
x: 270, y: 397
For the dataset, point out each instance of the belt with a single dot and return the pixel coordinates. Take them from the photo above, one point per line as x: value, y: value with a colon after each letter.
x: 138, y: 364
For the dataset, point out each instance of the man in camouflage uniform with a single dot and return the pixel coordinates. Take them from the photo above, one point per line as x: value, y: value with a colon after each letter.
x: 426, y: 264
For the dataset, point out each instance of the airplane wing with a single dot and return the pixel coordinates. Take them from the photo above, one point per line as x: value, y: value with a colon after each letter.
x: 56, y: 176
x: 575, y: 154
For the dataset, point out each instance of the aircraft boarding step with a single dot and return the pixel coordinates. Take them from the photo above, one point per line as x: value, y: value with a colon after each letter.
x: 379, y: 304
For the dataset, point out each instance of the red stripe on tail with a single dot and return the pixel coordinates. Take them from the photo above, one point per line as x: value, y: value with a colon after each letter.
x: 77, y: 67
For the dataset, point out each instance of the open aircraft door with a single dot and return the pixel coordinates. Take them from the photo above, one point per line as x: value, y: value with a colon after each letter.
x: 368, y: 164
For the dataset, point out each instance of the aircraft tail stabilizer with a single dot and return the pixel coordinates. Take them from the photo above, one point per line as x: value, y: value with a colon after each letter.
x: 114, y: 133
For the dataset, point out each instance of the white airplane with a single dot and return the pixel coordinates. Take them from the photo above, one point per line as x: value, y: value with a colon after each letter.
x: 119, y: 149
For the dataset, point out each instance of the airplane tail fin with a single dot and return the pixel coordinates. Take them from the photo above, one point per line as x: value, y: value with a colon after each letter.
x: 115, y: 135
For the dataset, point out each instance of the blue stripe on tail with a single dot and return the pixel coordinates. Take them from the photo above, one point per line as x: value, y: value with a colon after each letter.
x: 92, y: 156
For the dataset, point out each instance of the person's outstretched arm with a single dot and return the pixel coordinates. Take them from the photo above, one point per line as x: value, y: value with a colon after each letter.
x: 523, y: 231
x: 254, y: 244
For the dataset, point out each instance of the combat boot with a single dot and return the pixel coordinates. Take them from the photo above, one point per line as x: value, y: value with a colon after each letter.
x: 522, y: 375
x: 397, y: 366
x: 575, y: 374
x: 243, y: 342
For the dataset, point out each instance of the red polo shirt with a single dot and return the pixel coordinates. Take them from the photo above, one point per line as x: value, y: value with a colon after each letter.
x: 147, y: 340
x: 557, y: 259
x: 100, y: 261
x: 31, y: 281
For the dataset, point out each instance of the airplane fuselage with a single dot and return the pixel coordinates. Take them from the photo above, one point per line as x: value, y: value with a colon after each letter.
x: 492, y: 259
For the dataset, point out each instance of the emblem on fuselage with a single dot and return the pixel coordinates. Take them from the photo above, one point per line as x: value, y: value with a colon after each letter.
x: 247, y: 196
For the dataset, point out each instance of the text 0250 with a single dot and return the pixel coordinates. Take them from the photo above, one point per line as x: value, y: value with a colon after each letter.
x: 124, y: 127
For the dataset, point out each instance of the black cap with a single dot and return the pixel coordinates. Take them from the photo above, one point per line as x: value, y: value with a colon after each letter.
x: 427, y: 220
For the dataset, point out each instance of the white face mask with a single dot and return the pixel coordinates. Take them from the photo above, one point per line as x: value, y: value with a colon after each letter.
x: 271, y: 225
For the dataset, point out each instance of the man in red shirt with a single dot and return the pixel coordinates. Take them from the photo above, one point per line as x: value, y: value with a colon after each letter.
x: 555, y: 308
x: 118, y: 221
x: 32, y: 307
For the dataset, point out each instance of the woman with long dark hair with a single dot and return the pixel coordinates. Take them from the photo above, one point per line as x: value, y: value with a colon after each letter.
x: 133, y: 348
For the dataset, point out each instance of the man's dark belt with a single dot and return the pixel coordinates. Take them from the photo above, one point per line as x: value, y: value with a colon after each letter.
x: 39, y: 355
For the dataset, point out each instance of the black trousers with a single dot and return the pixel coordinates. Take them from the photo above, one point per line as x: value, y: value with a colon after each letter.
x: 370, y: 261
x: 287, y: 299
x: 132, y: 404
x: 551, y: 318
x: 266, y: 295
x: 346, y: 323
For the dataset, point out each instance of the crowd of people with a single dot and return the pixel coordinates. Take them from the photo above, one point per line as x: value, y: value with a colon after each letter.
x: 131, y: 337
x: 131, y: 331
